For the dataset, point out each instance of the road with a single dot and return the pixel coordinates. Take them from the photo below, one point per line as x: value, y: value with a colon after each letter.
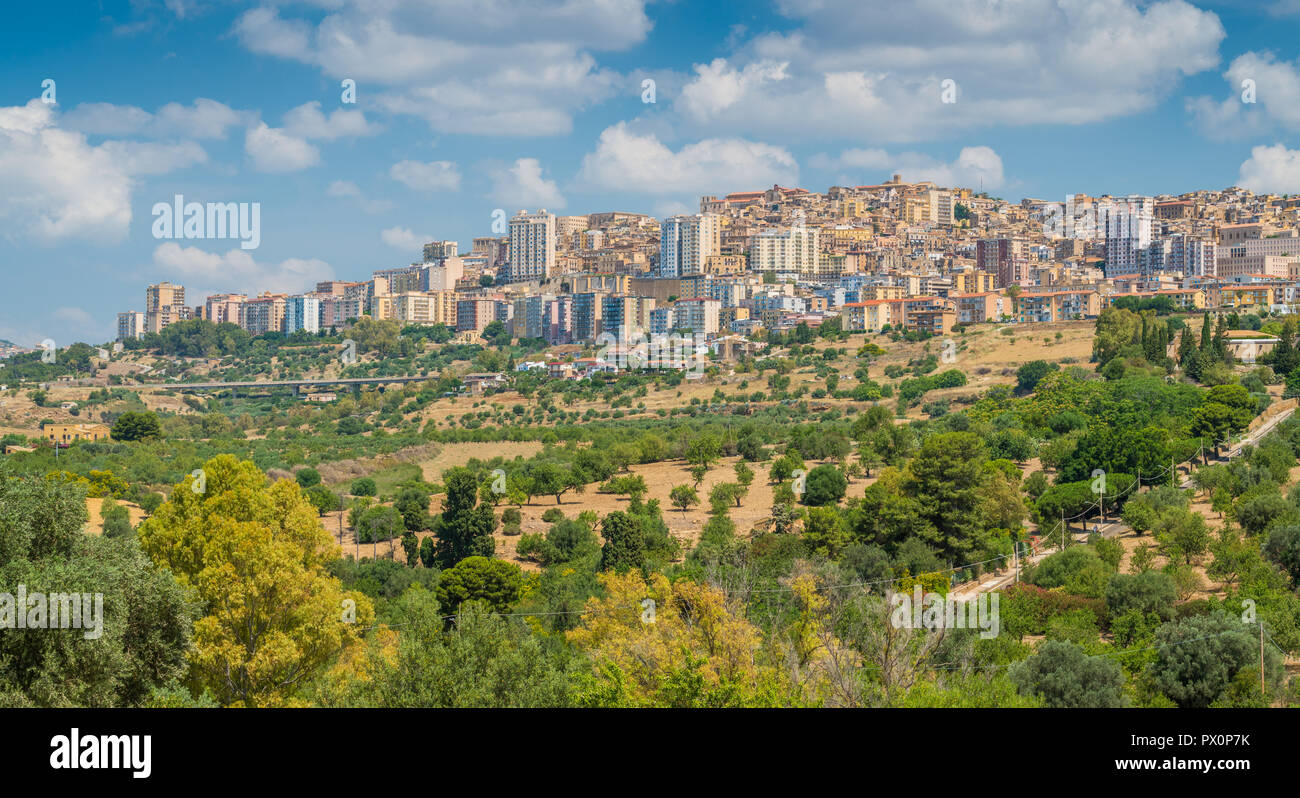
x: 996, y: 581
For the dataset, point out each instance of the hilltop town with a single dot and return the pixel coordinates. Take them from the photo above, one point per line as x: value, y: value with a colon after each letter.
x: 911, y: 257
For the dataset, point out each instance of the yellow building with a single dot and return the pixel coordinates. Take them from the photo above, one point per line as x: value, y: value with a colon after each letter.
x: 66, y: 434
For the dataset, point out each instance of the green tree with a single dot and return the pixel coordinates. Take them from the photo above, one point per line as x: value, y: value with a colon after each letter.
x: 1199, y: 657
x: 136, y: 426
x: 133, y: 640
x: 1062, y: 675
x: 624, y: 547
x: 255, y: 555
x: 413, y: 504
x: 1146, y: 592
x: 465, y: 527
x: 824, y: 485
x: 497, y: 583
x: 683, y: 497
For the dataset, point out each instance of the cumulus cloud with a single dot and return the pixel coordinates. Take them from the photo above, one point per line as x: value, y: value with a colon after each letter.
x: 348, y: 189
x: 1272, y: 170
x: 204, y: 119
x: 308, y: 122
x: 845, y: 68
x: 974, y: 167
x: 502, y: 67
x: 402, y: 238
x: 625, y: 160
x: 431, y: 176
x: 58, y: 186
x: 1276, y: 103
x: 522, y: 184
x: 274, y: 150
x: 209, y: 272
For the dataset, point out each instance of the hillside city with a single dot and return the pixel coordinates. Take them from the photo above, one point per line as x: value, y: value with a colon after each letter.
x: 906, y: 256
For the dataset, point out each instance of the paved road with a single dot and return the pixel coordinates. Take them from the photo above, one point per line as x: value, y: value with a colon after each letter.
x: 991, y: 582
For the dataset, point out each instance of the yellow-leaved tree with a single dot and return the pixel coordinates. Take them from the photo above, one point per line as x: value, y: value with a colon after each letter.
x: 687, y: 649
x: 254, y: 553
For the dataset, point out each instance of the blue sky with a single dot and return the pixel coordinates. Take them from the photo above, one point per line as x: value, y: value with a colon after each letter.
x: 466, y: 106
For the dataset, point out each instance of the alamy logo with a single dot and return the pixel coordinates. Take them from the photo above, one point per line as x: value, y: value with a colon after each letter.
x: 99, y: 752
x: 53, y: 611
x: 181, y: 219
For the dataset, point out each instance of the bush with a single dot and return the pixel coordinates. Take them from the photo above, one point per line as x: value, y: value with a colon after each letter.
x: 1147, y: 592
x: 379, y: 523
x: 553, y: 515
x: 363, y: 486
x: 307, y: 477
x: 824, y: 485
x: 1063, y: 675
x: 1078, y: 570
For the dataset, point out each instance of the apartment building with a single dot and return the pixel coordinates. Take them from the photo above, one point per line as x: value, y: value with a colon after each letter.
x: 979, y: 307
x: 438, y: 251
x: 587, y: 315
x: 302, y: 314
x: 697, y: 315
x: 223, y: 308
x: 625, y: 316
x: 870, y: 316
x: 164, y: 304
x: 130, y: 324
x: 1127, y: 226
x: 687, y: 242
x: 532, y: 246
x: 1006, y: 258
x: 263, y: 313
x: 426, y: 307
x: 475, y: 314
x: 1245, y: 249
x: 795, y: 249
x: 1042, y: 306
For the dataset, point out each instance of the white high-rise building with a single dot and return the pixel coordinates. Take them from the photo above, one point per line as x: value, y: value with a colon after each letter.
x: 796, y: 249
x: 532, y: 246
x: 302, y: 312
x: 1127, y: 223
x: 686, y: 242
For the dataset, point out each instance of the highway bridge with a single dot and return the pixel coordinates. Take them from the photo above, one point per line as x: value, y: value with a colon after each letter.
x: 297, y: 385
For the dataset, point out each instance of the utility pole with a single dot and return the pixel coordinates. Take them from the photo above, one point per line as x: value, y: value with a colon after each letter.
x: 1065, y: 529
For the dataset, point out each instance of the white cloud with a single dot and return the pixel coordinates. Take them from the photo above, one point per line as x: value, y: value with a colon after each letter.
x: 523, y: 185
x: 209, y: 272
x: 875, y: 70
x: 308, y: 122
x: 402, y: 238
x: 346, y: 188
x: 975, y: 167
x: 205, y: 119
x: 491, y: 67
x: 1272, y: 170
x: 1276, y: 105
x: 343, y: 188
x: 431, y: 176
x: 151, y: 158
x: 58, y: 186
x: 718, y: 86
x: 273, y: 150
x: 624, y: 160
